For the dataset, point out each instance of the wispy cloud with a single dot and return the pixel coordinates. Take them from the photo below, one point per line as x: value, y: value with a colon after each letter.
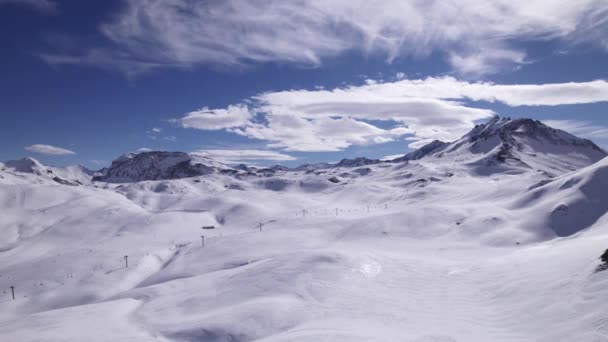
x: 239, y: 156
x: 48, y: 149
x: 422, y: 110
x: 450, y: 88
x: 581, y: 128
x: 42, y: 6
x: 391, y: 157
x: 213, y: 119
x: 476, y: 36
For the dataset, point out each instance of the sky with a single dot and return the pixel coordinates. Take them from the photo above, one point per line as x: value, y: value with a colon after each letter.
x: 290, y: 82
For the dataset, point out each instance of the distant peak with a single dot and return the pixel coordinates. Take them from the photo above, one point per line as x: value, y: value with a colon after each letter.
x: 27, y: 164
x: 158, y: 165
x: 506, y: 128
x: 359, y: 161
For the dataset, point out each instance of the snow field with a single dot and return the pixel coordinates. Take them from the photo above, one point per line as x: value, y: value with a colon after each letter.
x: 452, y: 258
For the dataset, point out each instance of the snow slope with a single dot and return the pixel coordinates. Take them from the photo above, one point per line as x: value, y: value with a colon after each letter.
x: 427, y: 250
x: 570, y: 203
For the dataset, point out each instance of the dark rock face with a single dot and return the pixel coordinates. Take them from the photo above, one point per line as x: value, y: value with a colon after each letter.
x: 356, y: 162
x: 279, y: 168
x: 604, y: 257
x: 154, y: 166
x: 66, y: 182
x: 312, y: 167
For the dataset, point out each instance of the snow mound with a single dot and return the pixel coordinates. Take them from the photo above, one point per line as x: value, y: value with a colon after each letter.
x: 571, y: 203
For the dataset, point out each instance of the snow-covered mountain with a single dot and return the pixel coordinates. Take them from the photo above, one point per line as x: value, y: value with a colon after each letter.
x: 461, y: 241
x: 344, y: 163
x: 26, y: 165
x: 158, y: 165
x: 422, y: 152
x: 514, y: 145
x: 29, y: 169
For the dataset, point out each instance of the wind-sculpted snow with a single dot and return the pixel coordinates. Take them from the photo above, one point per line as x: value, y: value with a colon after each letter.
x: 425, y: 250
x: 571, y: 203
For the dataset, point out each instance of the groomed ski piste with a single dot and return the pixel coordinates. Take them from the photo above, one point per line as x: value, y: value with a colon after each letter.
x: 495, y: 237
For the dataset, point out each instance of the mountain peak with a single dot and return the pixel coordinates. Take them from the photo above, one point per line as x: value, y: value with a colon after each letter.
x: 157, y: 165
x: 26, y: 165
x: 515, y: 132
x: 498, y: 125
x: 515, y: 144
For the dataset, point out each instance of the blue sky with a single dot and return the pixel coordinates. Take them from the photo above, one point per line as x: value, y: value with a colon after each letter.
x: 271, y: 82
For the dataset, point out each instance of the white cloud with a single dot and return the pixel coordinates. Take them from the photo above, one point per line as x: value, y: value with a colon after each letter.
x: 487, y: 61
x: 424, y: 110
x: 536, y: 94
x: 157, y: 130
x: 239, y: 156
x: 214, y: 119
x: 581, y: 128
x: 331, y: 120
x: 391, y: 157
x: 143, y: 149
x: 477, y: 36
x: 43, y: 6
x: 400, y: 75
x: 418, y: 142
x: 48, y: 149
x: 298, y: 133
x: 170, y: 138
x: 449, y: 88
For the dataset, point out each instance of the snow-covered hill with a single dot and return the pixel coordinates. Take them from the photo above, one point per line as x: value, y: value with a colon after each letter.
x: 570, y: 203
x: 464, y: 241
